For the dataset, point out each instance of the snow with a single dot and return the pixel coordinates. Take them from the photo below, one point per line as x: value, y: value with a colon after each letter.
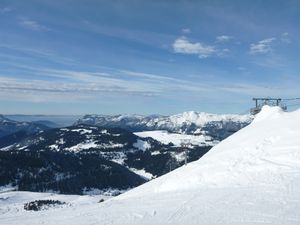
x: 176, y: 139
x: 54, y: 147
x: 60, y: 141
x: 176, y: 123
x: 82, y: 146
x: 82, y: 131
x: 104, y: 132
x: 111, y: 145
x: 155, y: 153
x: 106, y: 193
x: 64, y: 129
x: 12, y: 206
x: 179, y: 157
x: 92, y: 144
x: 201, y: 118
x: 23, y: 147
x: 7, y: 148
x: 142, y: 145
x: 252, y: 177
x: 7, y: 188
x: 115, y: 156
x: 107, y: 133
x: 268, y: 113
x: 142, y: 173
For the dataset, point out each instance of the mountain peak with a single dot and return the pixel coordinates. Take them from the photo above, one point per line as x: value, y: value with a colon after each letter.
x: 3, y: 119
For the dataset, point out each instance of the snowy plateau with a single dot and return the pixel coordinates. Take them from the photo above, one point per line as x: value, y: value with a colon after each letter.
x: 251, y: 177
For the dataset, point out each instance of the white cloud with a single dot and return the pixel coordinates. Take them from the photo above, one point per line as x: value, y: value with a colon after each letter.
x: 79, y: 85
x: 241, y: 68
x: 34, y: 53
x: 224, y: 38
x: 43, y: 91
x: 262, y: 47
x: 223, y: 52
x: 5, y: 10
x: 186, y: 30
x: 184, y: 46
x: 33, y: 25
x: 285, y: 38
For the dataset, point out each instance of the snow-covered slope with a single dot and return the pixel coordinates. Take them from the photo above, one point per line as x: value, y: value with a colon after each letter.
x: 166, y: 137
x: 252, y: 177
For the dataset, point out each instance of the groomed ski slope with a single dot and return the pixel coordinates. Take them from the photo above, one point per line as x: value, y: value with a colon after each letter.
x: 252, y: 177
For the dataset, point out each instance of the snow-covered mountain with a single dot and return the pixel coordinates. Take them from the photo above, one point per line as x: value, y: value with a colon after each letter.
x: 138, y: 156
x: 213, y: 125
x: 8, y: 126
x: 252, y: 177
x: 73, y: 159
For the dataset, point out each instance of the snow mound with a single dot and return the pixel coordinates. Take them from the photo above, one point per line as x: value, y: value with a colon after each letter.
x: 268, y: 112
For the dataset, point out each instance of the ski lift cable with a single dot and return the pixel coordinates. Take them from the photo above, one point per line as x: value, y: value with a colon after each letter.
x: 290, y: 99
x: 293, y: 105
x: 244, y: 112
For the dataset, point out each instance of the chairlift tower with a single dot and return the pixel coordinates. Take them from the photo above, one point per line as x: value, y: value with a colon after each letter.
x: 260, y: 102
x: 185, y: 144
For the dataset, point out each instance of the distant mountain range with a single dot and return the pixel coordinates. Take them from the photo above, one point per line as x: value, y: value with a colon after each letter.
x: 8, y: 126
x: 106, y: 152
x: 53, y: 121
x: 213, y: 125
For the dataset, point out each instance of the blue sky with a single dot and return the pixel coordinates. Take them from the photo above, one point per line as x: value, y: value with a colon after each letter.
x: 146, y: 57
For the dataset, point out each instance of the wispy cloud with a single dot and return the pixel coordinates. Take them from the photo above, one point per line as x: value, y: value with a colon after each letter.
x: 262, y: 47
x: 34, y: 52
x: 285, y: 38
x: 223, y: 38
x: 5, y: 10
x: 223, y: 52
x: 186, y: 30
x: 260, y: 89
x: 85, y: 84
x: 150, y: 76
x: 78, y: 85
x: 43, y: 90
x: 32, y: 25
x: 184, y: 46
x: 145, y: 37
x: 81, y: 86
